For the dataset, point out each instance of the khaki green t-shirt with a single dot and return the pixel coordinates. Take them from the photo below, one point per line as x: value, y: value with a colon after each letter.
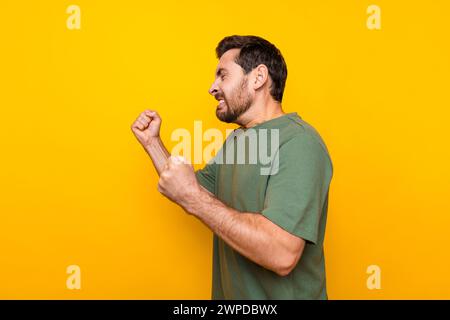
x: 288, y: 183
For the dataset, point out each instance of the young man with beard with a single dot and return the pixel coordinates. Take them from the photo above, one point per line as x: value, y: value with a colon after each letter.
x: 268, y: 228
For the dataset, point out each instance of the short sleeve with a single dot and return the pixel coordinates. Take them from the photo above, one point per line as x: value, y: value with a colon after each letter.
x: 207, y: 176
x: 296, y: 193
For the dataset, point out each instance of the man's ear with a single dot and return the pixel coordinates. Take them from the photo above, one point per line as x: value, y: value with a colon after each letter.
x: 261, y: 75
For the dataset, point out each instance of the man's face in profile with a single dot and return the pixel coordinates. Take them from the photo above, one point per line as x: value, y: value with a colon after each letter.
x: 230, y: 88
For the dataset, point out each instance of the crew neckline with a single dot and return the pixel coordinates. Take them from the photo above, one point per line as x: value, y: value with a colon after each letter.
x: 272, y: 121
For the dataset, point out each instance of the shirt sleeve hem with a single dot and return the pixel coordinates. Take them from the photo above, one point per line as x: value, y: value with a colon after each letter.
x: 305, y: 235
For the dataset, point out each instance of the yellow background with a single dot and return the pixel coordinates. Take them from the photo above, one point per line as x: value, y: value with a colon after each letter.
x: 77, y: 188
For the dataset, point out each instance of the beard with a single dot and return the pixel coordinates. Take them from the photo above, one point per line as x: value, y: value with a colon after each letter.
x: 239, y: 103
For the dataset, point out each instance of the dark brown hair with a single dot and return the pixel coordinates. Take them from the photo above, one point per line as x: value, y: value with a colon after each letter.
x: 253, y: 52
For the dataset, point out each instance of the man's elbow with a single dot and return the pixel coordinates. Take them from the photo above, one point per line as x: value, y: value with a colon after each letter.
x: 287, y: 264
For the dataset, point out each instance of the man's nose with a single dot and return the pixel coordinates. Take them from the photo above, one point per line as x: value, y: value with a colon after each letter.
x: 213, y: 90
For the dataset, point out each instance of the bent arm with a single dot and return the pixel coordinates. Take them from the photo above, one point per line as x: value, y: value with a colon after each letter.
x: 251, y: 234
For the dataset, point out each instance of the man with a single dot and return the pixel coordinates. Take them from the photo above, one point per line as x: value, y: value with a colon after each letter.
x: 268, y: 228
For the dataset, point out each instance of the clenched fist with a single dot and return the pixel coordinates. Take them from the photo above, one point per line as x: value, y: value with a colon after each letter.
x: 147, y: 126
x: 178, y: 182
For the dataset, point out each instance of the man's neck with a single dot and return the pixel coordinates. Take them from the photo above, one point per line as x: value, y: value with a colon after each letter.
x: 255, y: 117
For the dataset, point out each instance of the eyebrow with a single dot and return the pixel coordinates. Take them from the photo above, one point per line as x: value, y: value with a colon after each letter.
x: 219, y: 72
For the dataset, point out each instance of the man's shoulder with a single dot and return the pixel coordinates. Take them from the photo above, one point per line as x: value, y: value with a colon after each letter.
x: 299, y: 129
x: 300, y: 136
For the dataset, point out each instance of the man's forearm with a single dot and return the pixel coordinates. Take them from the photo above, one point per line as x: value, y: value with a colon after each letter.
x: 251, y: 234
x: 158, y: 153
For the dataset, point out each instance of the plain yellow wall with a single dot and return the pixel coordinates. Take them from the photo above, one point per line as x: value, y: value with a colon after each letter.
x: 77, y: 188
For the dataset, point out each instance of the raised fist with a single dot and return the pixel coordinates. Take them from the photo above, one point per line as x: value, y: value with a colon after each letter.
x: 146, y: 127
